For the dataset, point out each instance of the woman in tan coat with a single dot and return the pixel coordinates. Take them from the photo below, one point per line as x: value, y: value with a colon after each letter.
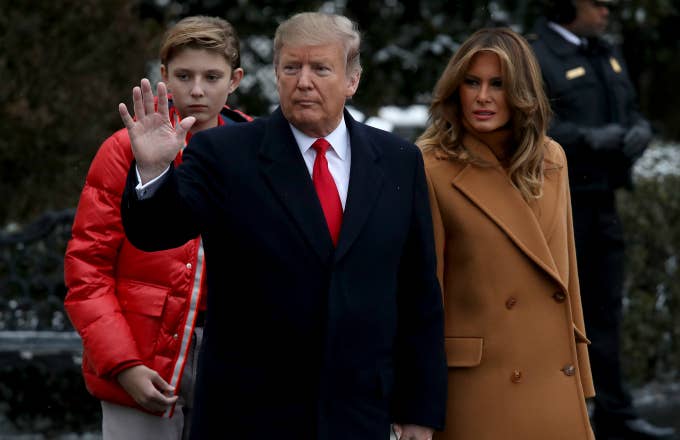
x: 515, y: 341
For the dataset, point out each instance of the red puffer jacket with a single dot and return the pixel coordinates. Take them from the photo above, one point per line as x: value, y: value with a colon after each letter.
x: 130, y: 307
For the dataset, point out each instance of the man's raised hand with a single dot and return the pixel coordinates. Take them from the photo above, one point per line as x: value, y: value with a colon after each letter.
x: 155, y: 142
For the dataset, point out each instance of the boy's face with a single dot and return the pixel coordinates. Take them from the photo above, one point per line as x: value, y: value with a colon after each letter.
x: 200, y: 82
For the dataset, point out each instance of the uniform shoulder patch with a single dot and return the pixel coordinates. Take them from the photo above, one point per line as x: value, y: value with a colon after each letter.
x: 574, y: 73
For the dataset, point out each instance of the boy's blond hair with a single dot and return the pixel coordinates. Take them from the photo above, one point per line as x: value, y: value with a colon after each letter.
x: 202, y: 32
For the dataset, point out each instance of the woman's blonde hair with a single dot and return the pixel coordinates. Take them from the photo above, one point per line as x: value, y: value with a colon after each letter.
x: 202, y: 32
x: 523, y: 87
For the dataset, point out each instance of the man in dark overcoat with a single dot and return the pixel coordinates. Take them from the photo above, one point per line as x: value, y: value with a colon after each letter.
x: 324, y: 315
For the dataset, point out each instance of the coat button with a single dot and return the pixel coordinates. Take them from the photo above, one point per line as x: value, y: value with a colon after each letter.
x: 516, y: 376
x: 510, y: 303
x: 175, y: 336
x: 188, y: 265
x: 559, y: 296
x: 569, y: 370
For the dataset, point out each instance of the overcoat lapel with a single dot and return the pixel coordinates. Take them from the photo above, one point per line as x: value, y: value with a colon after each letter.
x: 284, y: 168
x: 365, y: 183
x: 490, y: 190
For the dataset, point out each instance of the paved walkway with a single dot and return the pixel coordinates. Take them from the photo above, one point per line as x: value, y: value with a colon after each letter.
x: 660, y: 404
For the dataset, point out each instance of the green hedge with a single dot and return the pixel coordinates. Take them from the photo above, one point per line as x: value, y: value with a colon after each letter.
x: 651, y: 219
x: 65, y: 65
x: 45, y: 394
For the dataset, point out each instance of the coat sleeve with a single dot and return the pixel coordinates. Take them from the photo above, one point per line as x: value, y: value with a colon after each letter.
x: 439, y: 235
x: 90, y: 263
x: 421, y: 372
x: 575, y: 295
x: 180, y: 205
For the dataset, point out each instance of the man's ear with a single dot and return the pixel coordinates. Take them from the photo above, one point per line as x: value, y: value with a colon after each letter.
x: 352, y: 84
x: 236, y: 77
x: 164, y: 73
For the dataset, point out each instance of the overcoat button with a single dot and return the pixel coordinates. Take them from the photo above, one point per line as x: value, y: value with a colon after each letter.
x: 569, y: 370
x: 559, y: 296
x: 188, y: 265
x: 175, y: 336
x: 516, y: 376
x: 510, y: 303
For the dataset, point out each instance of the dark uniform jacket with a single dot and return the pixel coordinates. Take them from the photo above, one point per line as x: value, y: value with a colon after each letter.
x: 587, y: 87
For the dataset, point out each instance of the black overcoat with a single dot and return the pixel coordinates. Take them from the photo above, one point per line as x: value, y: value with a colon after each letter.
x: 304, y: 340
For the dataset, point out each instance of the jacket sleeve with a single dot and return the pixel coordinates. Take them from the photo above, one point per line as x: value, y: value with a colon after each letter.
x: 182, y: 203
x: 575, y: 294
x: 568, y: 132
x: 439, y: 236
x: 421, y: 372
x: 90, y: 262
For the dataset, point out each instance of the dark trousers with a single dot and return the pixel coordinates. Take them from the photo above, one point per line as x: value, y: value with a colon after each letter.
x: 600, y: 256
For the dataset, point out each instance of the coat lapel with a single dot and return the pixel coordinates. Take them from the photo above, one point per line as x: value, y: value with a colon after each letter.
x: 490, y: 190
x: 288, y: 177
x: 365, y: 183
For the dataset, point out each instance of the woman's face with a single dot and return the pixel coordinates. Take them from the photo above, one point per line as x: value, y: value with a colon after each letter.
x: 482, y: 94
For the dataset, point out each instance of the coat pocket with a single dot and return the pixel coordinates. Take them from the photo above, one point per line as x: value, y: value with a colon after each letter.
x: 463, y: 351
x: 144, y: 299
x: 373, y: 382
x: 143, y: 306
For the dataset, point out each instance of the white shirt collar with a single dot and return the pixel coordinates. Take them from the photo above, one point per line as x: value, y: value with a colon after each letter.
x: 338, y: 138
x: 565, y: 33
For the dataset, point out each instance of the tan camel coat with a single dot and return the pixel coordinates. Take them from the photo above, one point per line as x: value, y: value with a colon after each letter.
x: 515, y: 339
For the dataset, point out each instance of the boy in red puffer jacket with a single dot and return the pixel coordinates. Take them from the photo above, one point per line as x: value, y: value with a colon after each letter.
x: 140, y: 315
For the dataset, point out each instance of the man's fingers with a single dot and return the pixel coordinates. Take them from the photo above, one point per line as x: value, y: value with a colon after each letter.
x: 184, y: 126
x: 137, y: 103
x: 397, y: 430
x: 162, y: 92
x: 125, y: 116
x: 147, y: 97
x: 412, y: 432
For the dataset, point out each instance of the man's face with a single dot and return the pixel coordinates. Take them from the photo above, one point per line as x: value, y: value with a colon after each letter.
x: 313, y: 86
x: 591, y: 20
x: 200, y: 82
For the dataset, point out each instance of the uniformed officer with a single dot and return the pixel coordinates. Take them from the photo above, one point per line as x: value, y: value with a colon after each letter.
x: 597, y: 122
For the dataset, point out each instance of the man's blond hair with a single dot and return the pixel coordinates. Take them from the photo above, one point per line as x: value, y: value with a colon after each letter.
x: 316, y: 28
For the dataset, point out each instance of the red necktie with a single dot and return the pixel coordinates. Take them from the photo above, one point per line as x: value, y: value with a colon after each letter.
x: 326, y: 189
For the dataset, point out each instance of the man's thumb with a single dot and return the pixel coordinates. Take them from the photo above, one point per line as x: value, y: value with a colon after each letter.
x: 184, y: 126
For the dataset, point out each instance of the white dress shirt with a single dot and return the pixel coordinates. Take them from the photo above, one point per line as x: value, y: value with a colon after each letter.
x: 566, y: 33
x: 339, y: 156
